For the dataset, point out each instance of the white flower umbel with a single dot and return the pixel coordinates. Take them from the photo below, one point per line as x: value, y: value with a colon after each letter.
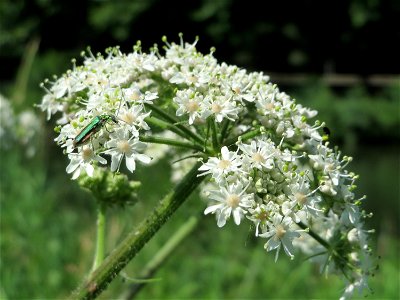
x: 264, y: 161
x: 20, y: 128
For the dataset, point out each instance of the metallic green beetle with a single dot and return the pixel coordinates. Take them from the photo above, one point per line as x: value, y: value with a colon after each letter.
x: 93, y: 127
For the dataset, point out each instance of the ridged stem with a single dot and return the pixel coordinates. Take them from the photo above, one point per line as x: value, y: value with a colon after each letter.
x: 138, y: 237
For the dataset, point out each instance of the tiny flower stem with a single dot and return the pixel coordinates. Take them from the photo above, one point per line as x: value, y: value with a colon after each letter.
x: 138, y: 237
x: 243, y: 137
x: 165, y: 125
x: 225, y: 126
x: 162, y: 255
x: 213, y: 134
x: 100, y: 236
x: 172, y: 142
x: 314, y: 235
x: 175, y: 122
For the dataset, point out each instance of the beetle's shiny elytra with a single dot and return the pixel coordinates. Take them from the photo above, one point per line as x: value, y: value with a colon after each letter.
x: 94, y: 126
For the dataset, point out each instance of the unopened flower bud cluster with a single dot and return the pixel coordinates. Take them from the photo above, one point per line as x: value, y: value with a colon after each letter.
x: 265, y: 162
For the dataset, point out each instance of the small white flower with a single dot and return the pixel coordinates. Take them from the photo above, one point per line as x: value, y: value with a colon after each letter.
x: 134, y: 116
x: 280, y: 234
x: 190, y: 103
x: 221, y: 108
x: 327, y: 186
x: 83, y: 161
x: 242, y: 92
x: 351, y: 214
x: 123, y: 145
x: 265, y: 101
x: 67, y: 84
x: 134, y: 95
x: 139, y: 61
x: 219, y: 167
x: 230, y: 200
x: 301, y: 196
x: 192, y: 77
x: 261, y: 214
x: 50, y: 105
x: 360, y: 284
x: 259, y: 154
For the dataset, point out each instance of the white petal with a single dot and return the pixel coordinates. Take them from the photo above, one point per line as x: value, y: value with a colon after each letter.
x: 130, y: 163
x: 115, y: 159
x: 225, y: 152
x: 237, y: 216
x: 272, y: 244
x: 76, y: 174
x: 221, y: 219
x: 212, y: 209
x: 143, y: 158
x: 72, y: 165
x: 89, y: 170
x: 100, y: 159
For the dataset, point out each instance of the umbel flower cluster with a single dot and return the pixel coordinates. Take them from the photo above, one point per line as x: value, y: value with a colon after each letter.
x: 264, y: 162
x: 18, y: 128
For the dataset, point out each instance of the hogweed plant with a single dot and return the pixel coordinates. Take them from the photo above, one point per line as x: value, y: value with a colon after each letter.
x: 251, y: 148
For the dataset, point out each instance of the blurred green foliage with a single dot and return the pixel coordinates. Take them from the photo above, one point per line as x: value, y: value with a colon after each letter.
x: 310, y: 36
x: 355, y: 116
x: 47, y: 223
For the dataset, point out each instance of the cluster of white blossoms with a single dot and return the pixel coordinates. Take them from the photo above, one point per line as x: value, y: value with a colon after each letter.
x: 18, y: 128
x: 265, y: 163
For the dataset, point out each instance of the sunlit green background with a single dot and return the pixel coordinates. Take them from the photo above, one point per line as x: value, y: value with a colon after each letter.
x: 48, y: 224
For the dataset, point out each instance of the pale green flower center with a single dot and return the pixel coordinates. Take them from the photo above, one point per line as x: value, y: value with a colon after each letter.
x: 192, y: 106
x: 330, y: 167
x: 262, y: 216
x: 224, y: 164
x: 128, y: 118
x: 216, y: 108
x: 257, y: 157
x: 269, y: 106
x: 193, y: 79
x: 237, y: 90
x: 300, y: 198
x: 87, y: 153
x: 233, y: 200
x: 123, y: 146
x: 135, y: 95
x: 280, y: 232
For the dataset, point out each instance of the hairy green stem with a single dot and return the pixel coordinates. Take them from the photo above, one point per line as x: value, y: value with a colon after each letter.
x: 100, y: 237
x: 162, y: 255
x: 165, y: 125
x: 138, y: 237
x: 175, y: 122
x: 314, y: 235
x: 214, y: 135
x: 224, y: 130
x: 244, y: 137
x: 172, y: 142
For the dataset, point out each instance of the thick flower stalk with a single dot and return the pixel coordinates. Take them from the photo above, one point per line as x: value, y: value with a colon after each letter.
x: 265, y: 162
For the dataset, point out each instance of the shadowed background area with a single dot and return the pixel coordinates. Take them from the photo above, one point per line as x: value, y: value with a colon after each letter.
x: 338, y: 58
